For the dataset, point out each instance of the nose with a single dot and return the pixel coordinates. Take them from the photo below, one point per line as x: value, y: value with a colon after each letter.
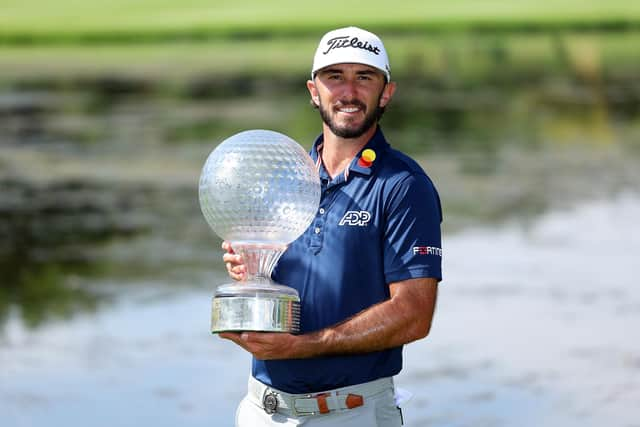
x: 349, y: 89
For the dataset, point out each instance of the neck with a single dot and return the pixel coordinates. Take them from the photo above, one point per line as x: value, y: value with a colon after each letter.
x: 338, y: 152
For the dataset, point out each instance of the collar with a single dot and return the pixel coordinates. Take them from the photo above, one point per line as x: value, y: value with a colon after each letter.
x: 377, y: 143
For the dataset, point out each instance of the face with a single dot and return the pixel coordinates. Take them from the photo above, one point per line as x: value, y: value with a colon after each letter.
x: 350, y: 97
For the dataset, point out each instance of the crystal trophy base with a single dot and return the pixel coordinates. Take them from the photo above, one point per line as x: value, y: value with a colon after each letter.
x: 262, y: 306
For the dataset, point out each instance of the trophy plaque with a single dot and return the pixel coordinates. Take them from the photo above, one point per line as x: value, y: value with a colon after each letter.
x: 259, y: 190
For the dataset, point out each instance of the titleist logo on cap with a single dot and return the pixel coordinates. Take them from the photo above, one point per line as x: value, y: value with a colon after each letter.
x: 348, y: 41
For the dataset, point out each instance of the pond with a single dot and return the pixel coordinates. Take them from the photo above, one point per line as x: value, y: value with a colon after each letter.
x: 108, y: 267
x: 535, y: 326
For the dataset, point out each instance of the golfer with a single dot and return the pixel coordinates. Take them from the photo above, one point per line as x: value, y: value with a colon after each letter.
x: 367, y: 268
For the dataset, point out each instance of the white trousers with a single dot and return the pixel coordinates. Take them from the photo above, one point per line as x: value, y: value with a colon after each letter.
x: 379, y: 410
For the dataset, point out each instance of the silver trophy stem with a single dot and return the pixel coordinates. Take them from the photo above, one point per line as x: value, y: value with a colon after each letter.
x: 259, y: 258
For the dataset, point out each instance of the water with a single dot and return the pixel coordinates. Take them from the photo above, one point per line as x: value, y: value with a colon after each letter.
x: 146, y: 360
x: 534, y: 326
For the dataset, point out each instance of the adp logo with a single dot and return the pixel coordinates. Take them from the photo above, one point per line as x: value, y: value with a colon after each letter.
x: 359, y: 218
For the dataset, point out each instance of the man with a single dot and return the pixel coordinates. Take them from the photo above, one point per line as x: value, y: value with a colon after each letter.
x: 367, y: 268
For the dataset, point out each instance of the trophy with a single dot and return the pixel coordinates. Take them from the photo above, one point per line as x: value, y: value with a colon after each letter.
x: 259, y: 190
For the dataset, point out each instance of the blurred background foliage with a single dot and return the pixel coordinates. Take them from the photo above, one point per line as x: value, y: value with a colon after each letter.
x: 153, y: 20
x: 109, y: 108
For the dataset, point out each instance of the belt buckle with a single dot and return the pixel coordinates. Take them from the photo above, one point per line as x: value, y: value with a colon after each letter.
x: 270, y: 402
x: 301, y: 412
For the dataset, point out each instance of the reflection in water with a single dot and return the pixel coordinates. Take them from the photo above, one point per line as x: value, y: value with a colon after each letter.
x: 48, y: 233
x: 42, y: 293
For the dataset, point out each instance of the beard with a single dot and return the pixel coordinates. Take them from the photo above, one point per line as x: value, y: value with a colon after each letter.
x: 348, y: 130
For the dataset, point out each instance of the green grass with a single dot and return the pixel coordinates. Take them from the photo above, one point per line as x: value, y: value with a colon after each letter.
x: 75, y: 21
x: 166, y: 39
x: 456, y: 56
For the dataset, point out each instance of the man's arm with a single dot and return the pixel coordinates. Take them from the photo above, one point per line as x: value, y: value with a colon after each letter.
x: 405, y: 317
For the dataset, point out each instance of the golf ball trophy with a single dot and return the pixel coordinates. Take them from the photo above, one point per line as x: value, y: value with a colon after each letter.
x: 259, y: 190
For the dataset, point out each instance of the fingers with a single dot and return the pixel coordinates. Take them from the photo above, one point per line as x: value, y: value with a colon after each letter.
x: 233, y: 336
x: 251, y: 342
x: 258, y: 337
x: 232, y: 258
x: 226, y: 246
x: 263, y: 345
x: 237, y: 272
x: 234, y: 265
x: 233, y: 262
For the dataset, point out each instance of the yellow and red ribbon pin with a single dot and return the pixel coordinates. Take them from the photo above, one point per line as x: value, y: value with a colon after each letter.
x: 367, y: 158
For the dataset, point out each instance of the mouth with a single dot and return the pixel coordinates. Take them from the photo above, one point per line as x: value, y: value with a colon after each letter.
x: 351, y: 107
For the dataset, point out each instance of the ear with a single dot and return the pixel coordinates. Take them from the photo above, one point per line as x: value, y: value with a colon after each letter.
x: 387, y: 93
x: 313, y: 91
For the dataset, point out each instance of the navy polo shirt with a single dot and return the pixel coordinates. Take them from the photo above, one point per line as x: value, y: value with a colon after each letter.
x: 377, y: 223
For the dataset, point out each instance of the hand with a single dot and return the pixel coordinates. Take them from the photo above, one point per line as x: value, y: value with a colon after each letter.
x: 265, y: 345
x: 234, y: 263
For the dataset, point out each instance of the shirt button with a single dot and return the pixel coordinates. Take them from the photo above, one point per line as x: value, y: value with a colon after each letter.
x: 321, y: 211
x: 317, y: 230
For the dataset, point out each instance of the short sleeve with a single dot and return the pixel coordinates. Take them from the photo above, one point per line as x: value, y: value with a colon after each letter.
x: 412, y: 237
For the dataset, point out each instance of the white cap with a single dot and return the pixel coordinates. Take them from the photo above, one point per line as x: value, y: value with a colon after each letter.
x: 351, y: 45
